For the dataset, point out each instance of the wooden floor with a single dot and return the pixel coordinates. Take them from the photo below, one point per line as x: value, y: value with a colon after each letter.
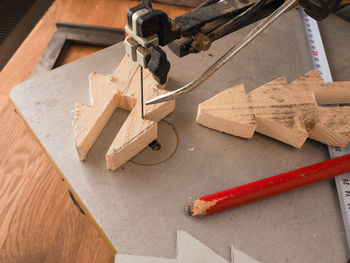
x: 38, y: 220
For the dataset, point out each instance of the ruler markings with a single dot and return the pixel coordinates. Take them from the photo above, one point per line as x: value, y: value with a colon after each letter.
x: 319, y: 61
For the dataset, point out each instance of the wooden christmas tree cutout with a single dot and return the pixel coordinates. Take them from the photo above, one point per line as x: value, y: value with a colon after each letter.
x: 285, y: 112
x: 120, y: 90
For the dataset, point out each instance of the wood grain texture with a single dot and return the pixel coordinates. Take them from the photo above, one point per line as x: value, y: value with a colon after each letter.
x: 286, y: 112
x: 281, y: 111
x: 333, y: 93
x: 74, y: 51
x: 33, y: 197
x: 229, y: 112
x: 120, y: 90
x: 332, y: 126
x: 108, y: 12
x: 275, y: 109
x: 38, y: 220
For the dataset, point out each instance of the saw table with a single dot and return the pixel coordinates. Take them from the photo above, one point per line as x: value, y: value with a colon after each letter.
x: 140, y: 208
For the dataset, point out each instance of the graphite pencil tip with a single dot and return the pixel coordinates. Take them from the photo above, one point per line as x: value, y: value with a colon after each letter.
x: 189, y: 210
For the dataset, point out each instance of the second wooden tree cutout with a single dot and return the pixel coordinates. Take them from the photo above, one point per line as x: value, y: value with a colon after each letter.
x: 285, y: 112
x: 120, y: 90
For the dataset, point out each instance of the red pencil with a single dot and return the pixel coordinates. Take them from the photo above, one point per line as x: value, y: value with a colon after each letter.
x: 274, y: 185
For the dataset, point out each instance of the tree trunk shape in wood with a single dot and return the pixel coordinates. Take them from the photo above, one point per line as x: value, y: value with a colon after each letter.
x: 120, y: 90
x: 285, y: 112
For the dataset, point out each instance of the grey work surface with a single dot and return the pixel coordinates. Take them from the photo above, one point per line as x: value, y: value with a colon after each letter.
x: 141, y: 207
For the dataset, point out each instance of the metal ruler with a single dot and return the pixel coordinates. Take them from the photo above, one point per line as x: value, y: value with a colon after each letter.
x: 320, y: 63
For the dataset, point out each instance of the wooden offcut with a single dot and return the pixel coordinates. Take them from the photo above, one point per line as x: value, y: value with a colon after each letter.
x: 120, y: 90
x: 286, y: 112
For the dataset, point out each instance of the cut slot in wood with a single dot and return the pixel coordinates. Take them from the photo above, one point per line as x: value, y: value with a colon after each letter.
x: 120, y: 90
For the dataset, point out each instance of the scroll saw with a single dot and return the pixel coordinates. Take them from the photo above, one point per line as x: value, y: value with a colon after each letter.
x: 127, y: 202
x: 194, y: 32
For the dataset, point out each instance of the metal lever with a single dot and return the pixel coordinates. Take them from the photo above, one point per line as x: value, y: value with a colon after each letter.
x: 225, y: 58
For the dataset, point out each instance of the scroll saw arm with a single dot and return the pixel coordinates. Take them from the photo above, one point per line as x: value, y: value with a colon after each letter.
x: 193, y: 32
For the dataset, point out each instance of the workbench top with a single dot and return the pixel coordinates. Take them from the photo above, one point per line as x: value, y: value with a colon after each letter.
x: 140, y: 208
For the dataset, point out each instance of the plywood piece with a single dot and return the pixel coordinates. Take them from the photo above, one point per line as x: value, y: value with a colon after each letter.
x: 332, y: 127
x: 228, y: 112
x: 189, y: 250
x: 120, y: 90
x: 333, y: 93
x: 239, y: 257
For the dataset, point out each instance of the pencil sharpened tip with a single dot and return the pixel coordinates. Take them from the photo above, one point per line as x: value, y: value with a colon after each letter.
x: 189, y: 210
